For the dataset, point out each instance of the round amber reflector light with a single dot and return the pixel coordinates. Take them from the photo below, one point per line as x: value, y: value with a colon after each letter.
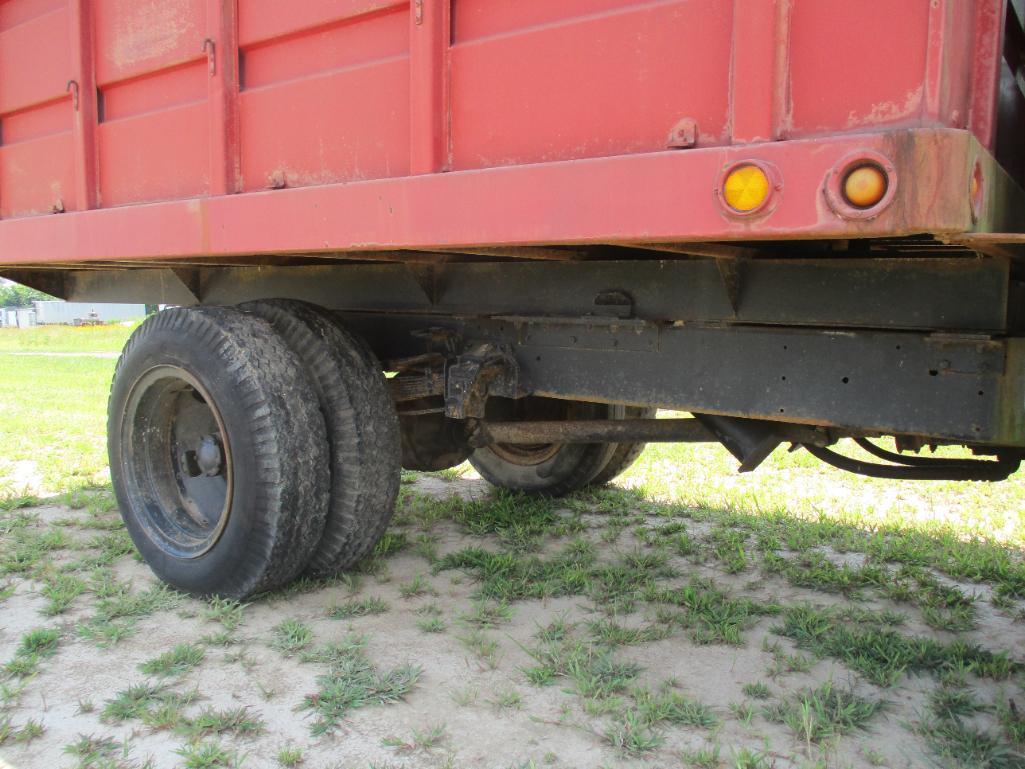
x: 746, y: 188
x: 865, y: 186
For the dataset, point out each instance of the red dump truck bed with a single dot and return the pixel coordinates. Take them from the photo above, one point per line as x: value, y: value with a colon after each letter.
x: 258, y: 126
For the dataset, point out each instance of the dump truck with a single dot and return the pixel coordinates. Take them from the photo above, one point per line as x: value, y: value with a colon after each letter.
x: 411, y: 233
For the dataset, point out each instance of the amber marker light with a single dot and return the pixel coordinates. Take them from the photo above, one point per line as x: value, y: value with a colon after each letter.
x: 865, y: 186
x: 746, y: 188
x: 976, y: 191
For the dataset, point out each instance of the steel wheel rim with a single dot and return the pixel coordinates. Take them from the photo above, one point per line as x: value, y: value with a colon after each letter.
x: 176, y: 462
x: 533, y: 454
x: 526, y: 455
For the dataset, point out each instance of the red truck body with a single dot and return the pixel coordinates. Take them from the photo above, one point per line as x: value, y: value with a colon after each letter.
x: 188, y: 128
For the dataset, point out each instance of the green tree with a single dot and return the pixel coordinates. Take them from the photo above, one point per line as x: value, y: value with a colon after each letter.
x: 15, y: 296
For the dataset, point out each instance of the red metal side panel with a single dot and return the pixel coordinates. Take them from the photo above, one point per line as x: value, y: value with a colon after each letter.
x: 534, y: 80
x: 151, y: 71
x: 856, y: 64
x: 36, y: 120
x: 14, y: 12
x: 324, y: 92
x: 111, y: 102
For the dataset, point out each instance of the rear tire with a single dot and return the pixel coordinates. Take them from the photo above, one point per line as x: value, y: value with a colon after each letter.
x: 218, y: 452
x: 549, y: 469
x: 362, y: 428
x: 626, y: 453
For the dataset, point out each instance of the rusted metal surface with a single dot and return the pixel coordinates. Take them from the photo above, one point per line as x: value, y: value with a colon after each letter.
x: 481, y: 371
x: 593, y: 431
x: 684, y: 135
x: 411, y: 388
x: 682, y: 430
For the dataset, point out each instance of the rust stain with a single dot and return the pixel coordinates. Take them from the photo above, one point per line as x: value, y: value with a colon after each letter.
x: 198, y: 209
x: 889, y: 112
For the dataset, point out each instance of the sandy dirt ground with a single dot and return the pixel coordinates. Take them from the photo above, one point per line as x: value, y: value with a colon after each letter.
x: 471, y: 706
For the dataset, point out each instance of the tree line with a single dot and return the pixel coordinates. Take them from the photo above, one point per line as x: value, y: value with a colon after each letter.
x: 14, y: 296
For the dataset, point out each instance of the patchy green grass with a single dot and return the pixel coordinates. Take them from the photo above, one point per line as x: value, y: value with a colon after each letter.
x: 176, y: 662
x: 33, y: 648
x: 117, y: 609
x: 19, y: 735
x: 290, y: 756
x: 353, y: 682
x: 41, y: 643
x: 361, y: 607
x: 667, y: 706
x: 416, y: 587
x: 209, y: 755
x: 883, y: 656
x: 139, y: 700
x: 228, y: 612
x: 423, y: 740
x: 757, y: 691
x: 60, y: 591
x: 209, y: 722
x: 631, y: 735
x: 825, y: 712
x: 959, y: 744
x: 90, y: 751
x: 594, y: 672
x: 291, y: 636
x: 575, y: 570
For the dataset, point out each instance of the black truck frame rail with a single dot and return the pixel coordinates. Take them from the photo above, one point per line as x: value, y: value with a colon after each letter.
x: 926, y: 348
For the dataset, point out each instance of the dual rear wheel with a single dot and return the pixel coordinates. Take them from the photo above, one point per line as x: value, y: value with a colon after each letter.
x: 251, y: 445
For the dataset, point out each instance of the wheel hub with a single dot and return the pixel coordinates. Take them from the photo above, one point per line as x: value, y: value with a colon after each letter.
x: 207, y: 460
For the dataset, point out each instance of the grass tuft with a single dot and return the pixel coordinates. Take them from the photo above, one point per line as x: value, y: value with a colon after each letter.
x: 593, y: 671
x: 208, y: 755
x: 825, y: 712
x: 352, y: 682
x: 291, y: 636
x: 176, y: 662
x: 362, y: 607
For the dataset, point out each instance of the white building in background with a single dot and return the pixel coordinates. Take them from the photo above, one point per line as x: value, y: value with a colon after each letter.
x: 74, y: 313
x: 17, y: 318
